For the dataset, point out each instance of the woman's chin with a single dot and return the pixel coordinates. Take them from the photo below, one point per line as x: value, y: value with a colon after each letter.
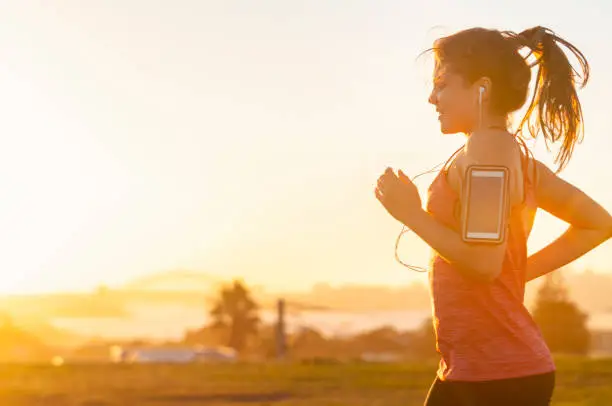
x: 448, y: 129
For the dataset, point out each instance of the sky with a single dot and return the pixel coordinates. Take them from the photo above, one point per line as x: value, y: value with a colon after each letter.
x: 241, y: 138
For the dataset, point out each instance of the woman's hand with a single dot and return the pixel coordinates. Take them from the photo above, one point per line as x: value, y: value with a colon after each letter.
x: 398, y: 195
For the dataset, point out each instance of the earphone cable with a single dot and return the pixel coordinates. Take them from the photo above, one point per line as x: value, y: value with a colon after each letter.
x: 405, y: 229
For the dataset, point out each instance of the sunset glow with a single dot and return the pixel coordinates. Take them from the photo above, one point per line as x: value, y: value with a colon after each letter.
x: 206, y: 138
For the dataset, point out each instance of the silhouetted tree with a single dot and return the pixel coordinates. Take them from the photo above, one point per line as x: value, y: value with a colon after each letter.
x: 562, y: 323
x: 237, y: 313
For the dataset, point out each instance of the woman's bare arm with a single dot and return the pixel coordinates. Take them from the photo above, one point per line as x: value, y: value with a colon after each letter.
x: 590, y: 224
x: 482, y: 262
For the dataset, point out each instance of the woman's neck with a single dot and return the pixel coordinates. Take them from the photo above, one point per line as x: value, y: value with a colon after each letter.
x: 491, y: 123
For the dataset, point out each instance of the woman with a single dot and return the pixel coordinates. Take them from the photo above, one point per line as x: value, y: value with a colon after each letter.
x: 492, y: 353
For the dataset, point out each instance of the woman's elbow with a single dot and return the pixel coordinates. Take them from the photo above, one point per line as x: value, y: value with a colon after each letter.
x: 604, y: 225
x: 608, y: 229
x: 601, y: 233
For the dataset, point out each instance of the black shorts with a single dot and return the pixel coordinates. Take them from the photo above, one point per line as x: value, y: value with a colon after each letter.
x: 534, y: 390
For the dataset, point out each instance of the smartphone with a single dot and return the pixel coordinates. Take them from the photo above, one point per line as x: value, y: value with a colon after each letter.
x: 486, y: 201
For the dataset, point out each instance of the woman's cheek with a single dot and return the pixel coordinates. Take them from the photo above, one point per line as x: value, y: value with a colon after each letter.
x: 442, y: 96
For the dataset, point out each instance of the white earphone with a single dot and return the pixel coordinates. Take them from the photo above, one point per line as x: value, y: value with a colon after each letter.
x: 481, y: 91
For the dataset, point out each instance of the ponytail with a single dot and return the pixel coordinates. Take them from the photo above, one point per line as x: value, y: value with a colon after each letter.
x: 559, y: 114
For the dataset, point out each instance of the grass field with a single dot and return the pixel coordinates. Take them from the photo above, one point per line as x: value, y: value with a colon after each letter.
x: 579, y: 382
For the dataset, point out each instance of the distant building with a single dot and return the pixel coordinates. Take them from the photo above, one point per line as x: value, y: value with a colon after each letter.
x: 601, y: 343
x: 600, y: 326
x: 175, y: 355
x: 382, y: 357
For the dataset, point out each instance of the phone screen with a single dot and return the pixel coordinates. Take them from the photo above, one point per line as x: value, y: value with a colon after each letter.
x: 485, y: 204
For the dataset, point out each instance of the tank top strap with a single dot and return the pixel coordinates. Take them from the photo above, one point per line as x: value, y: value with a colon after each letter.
x: 451, y: 158
x: 526, y: 157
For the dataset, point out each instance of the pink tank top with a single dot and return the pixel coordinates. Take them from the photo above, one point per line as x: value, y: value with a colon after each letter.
x: 483, y: 330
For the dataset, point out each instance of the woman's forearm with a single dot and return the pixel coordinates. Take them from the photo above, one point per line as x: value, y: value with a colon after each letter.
x: 571, y: 245
x: 471, y: 260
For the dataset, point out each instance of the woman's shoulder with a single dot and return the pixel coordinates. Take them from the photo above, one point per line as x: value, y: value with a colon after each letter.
x: 496, y: 149
x: 492, y: 147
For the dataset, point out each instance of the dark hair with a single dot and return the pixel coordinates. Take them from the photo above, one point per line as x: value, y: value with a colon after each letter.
x: 480, y: 52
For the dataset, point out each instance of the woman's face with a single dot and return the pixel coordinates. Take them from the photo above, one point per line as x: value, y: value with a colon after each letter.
x: 456, y: 101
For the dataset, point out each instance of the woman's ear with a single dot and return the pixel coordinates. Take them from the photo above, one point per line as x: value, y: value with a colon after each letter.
x: 484, y: 88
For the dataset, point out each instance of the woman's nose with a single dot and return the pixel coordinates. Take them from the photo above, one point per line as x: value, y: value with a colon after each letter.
x: 433, y: 98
